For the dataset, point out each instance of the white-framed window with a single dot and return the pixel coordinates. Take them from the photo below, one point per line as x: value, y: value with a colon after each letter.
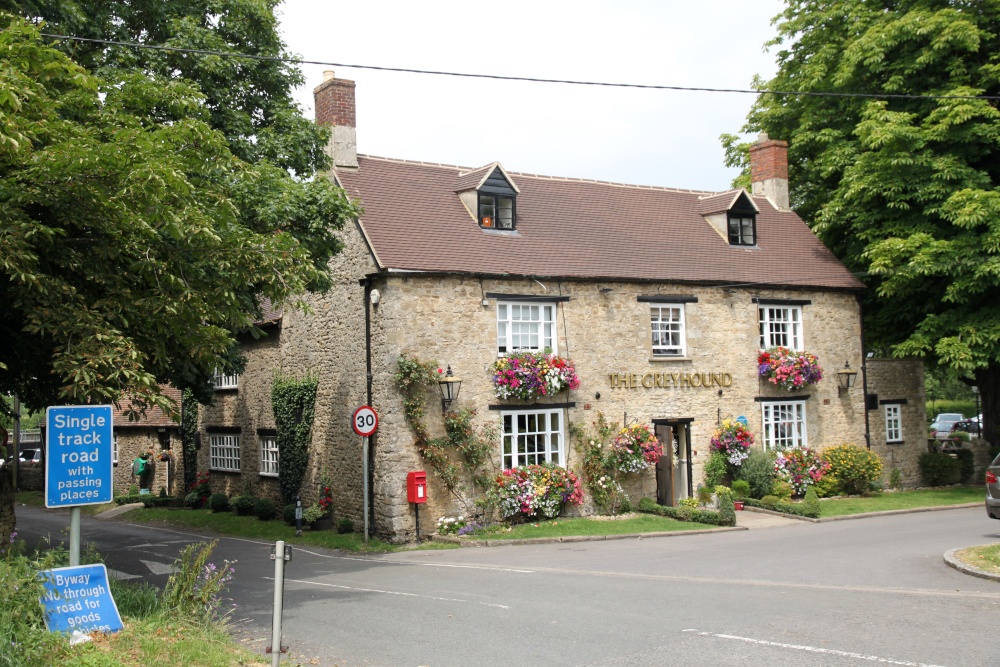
x: 527, y: 326
x: 224, y: 452
x: 784, y: 424
x: 114, y: 448
x: 222, y: 381
x: 893, y: 422
x: 269, y: 455
x: 781, y: 326
x: 667, y: 320
x: 532, y: 437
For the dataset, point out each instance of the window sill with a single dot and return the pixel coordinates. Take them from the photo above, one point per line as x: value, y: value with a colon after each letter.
x: 270, y: 475
x: 895, y: 442
x: 225, y: 470
x: 664, y: 357
x: 226, y: 389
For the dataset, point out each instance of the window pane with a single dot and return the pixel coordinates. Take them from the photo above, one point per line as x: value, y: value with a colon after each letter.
x: 505, y: 214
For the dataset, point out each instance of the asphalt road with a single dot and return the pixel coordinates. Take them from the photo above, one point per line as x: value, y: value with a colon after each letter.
x: 870, y: 591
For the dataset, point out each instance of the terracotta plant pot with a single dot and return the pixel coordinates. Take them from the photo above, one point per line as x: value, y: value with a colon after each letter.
x: 738, y: 504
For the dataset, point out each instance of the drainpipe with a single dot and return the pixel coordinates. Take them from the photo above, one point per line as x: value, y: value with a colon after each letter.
x: 864, y: 370
x: 367, y: 283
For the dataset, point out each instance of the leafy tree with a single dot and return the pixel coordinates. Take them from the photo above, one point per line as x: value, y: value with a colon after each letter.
x: 129, y: 253
x: 905, y: 190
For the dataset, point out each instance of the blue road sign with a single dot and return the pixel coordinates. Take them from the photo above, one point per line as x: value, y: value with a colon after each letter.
x: 78, y: 465
x: 78, y: 598
x: 743, y: 420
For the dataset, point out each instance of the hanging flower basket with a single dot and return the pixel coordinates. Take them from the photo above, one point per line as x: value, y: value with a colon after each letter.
x: 535, y: 491
x: 789, y: 370
x: 635, y: 448
x: 528, y: 375
x: 733, y: 440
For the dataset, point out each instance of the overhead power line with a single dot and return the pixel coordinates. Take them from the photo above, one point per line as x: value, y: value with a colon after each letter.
x: 531, y: 79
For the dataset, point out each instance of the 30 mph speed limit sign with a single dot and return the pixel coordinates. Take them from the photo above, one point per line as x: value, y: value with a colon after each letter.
x: 364, y: 421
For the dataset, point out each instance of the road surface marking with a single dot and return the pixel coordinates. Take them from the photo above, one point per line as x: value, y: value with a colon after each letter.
x: 158, y: 568
x: 122, y: 576
x: 376, y: 590
x: 814, y: 649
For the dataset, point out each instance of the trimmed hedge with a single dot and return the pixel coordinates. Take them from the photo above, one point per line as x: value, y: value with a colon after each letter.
x: 149, y: 500
x: 218, y: 502
x: 798, y: 509
x: 939, y: 469
x: 710, y: 517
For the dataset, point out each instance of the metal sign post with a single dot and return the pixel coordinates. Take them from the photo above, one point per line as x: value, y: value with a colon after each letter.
x: 280, y: 552
x: 78, y: 466
x: 364, y: 421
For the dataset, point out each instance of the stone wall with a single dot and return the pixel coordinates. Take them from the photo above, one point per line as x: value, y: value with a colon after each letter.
x: 133, y: 441
x: 899, y: 382
x: 603, y: 328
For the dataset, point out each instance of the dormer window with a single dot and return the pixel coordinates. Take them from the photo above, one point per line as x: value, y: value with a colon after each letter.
x: 496, y: 211
x: 742, y: 221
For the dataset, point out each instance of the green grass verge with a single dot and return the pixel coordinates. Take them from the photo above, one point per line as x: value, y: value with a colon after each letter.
x: 37, y: 499
x: 902, y: 500
x: 644, y: 523
x: 986, y: 557
x: 227, y: 523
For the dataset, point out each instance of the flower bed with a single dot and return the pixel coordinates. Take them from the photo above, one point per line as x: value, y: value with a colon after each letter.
x: 733, y: 440
x: 800, y: 467
x: 789, y: 370
x: 535, y: 491
x: 636, y: 448
x: 528, y: 375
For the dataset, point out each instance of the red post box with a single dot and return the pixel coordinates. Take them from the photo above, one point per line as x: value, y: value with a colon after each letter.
x: 416, y: 486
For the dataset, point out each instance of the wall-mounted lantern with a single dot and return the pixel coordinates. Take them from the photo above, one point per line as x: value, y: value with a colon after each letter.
x: 449, y: 385
x: 846, y: 377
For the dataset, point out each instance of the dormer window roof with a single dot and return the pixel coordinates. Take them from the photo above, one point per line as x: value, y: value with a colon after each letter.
x: 492, y: 197
x: 741, y: 221
x: 733, y: 214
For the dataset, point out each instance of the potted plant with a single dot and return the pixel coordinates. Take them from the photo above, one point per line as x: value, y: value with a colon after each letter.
x: 741, y: 491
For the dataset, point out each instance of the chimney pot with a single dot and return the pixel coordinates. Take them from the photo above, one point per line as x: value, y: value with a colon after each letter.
x: 328, y: 74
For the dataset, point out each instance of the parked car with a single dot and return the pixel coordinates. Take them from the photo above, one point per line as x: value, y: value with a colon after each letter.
x: 31, y: 456
x: 941, y: 428
x: 970, y: 426
x: 993, y: 489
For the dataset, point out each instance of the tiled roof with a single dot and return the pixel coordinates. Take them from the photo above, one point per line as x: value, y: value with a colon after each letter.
x: 269, y: 314
x: 569, y: 228
x: 155, y: 417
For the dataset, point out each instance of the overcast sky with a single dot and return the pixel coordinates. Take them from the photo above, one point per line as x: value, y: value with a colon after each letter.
x: 651, y: 137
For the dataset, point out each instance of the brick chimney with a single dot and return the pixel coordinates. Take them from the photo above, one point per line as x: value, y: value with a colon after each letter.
x: 334, y: 99
x: 769, y: 169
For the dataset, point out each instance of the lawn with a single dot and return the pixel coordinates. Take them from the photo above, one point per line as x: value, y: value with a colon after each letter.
x: 986, y: 557
x: 227, y: 523
x: 902, y: 500
x: 37, y: 499
x: 642, y: 523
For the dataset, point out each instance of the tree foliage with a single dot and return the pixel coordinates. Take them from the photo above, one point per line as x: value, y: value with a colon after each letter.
x: 135, y: 243
x: 903, y: 190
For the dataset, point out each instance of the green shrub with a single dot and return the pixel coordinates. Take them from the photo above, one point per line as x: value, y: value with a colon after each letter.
x: 855, y: 468
x: 196, y: 585
x: 344, y: 525
x: 163, y: 492
x: 767, y: 500
x: 133, y: 489
x: 649, y: 506
x: 781, y: 489
x: 129, y: 499
x: 966, y: 464
x: 938, y: 469
x: 159, y: 501
x: 828, y: 485
x: 218, y: 502
x: 242, y: 505
x: 758, y: 472
x: 704, y: 495
x: 811, y: 502
x: 288, y: 514
x: 193, y: 500
x: 263, y: 509
x: 715, y: 470
x: 775, y: 504
x: 690, y: 503
x: 727, y: 512
x: 934, y: 408
x: 895, y: 478
x: 741, y: 489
